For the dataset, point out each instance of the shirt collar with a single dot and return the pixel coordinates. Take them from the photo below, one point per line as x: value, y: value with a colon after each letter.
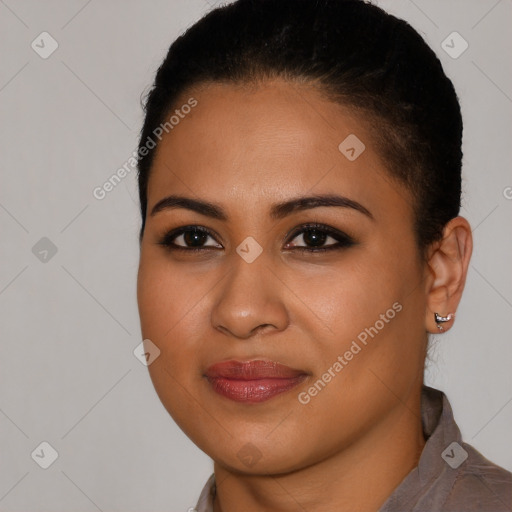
x: 427, y: 486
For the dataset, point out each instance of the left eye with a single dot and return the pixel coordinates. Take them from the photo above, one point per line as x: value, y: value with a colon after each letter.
x: 315, y: 238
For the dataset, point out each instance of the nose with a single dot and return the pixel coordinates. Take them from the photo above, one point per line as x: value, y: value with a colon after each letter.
x: 250, y: 300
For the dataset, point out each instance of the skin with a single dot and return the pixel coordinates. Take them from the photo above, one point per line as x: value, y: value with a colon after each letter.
x: 246, y: 149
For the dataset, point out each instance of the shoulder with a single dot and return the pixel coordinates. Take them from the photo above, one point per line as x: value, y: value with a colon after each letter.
x: 480, y: 485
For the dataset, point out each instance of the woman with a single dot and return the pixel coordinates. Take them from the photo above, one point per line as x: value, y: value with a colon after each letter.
x: 300, y: 184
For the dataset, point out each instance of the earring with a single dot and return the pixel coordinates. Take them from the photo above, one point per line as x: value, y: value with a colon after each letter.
x: 439, y: 319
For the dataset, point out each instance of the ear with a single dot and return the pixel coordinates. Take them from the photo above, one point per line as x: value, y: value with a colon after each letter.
x: 448, y: 264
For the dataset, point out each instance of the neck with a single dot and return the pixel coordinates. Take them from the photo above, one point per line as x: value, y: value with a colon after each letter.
x: 357, y: 478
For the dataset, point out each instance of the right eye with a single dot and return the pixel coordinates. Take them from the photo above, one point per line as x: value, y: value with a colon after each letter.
x: 189, y: 238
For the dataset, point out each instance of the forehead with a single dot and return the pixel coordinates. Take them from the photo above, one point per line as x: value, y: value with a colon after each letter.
x: 259, y: 144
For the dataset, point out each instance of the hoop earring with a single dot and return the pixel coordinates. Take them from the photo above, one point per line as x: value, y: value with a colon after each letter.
x: 441, y: 319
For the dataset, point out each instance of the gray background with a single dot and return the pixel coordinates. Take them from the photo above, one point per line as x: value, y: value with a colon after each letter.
x: 69, y: 324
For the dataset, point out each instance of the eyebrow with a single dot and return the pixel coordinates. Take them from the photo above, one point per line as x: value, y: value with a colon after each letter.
x: 277, y: 211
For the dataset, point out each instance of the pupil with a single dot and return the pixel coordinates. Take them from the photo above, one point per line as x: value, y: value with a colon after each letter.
x: 314, y: 237
x: 194, y: 238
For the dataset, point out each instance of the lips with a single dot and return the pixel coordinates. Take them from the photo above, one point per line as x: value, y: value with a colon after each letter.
x: 252, y: 381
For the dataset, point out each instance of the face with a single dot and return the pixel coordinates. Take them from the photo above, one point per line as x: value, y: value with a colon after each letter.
x: 241, y: 273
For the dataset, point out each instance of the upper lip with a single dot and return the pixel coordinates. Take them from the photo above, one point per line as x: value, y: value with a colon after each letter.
x: 252, y: 370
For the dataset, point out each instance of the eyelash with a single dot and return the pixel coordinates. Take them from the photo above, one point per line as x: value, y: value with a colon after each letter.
x: 343, y: 241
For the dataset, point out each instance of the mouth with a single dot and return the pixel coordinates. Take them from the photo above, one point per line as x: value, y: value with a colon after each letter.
x: 252, y: 381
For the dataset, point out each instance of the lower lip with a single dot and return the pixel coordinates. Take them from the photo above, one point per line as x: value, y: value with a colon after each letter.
x: 251, y: 391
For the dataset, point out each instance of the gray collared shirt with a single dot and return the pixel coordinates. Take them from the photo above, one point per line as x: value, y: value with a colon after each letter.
x: 451, y: 475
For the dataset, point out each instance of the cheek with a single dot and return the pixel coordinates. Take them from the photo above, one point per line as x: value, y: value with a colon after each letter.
x: 349, y: 297
x: 174, y: 311
x: 368, y: 310
x: 166, y: 296
x: 169, y: 307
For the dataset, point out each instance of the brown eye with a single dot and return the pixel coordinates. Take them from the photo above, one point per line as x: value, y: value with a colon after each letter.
x: 317, y: 237
x: 190, y: 238
x: 313, y: 238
